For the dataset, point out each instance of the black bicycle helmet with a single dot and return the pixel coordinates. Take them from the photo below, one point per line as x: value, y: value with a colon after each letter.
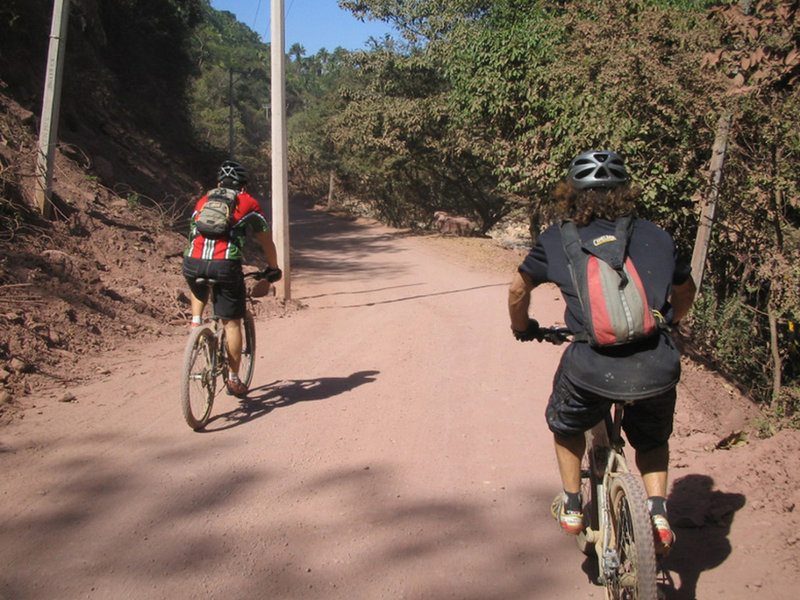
x: 233, y: 172
x: 597, y: 169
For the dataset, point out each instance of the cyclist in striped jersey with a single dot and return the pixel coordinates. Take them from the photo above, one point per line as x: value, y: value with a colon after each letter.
x: 221, y: 259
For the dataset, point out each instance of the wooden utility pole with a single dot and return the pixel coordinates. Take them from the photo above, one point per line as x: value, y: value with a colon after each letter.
x: 708, y: 212
x: 51, y: 106
x: 280, y: 188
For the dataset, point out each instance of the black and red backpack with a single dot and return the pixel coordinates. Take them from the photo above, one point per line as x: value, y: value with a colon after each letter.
x: 612, y: 296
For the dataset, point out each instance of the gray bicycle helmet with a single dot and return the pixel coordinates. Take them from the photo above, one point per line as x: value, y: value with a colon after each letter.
x: 597, y: 169
x: 232, y: 171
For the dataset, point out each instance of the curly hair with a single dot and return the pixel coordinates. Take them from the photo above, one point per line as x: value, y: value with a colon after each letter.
x: 581, y: 206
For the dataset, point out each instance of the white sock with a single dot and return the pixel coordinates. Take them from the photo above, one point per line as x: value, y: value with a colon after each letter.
x: 197, y: 320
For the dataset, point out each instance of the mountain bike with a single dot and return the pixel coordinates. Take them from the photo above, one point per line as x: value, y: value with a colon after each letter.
x: 205, y: 359
x: 617, y: 526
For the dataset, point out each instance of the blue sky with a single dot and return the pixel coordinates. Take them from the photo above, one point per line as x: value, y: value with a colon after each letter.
x: 314, y: 24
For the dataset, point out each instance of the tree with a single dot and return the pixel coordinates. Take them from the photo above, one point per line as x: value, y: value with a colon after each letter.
x: 232, y: 74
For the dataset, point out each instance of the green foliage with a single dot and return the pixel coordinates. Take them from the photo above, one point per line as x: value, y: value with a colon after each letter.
x: 312, y: 83
x: 557, y: 79
x: 230, y: 91
x: 402, y: 150
x: 419, y: 21
x: 720, y: 328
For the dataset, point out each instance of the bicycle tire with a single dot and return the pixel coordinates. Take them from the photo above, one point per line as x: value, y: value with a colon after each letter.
x: 248, y: 361
x: 199, y: 381
x: 632, y: 536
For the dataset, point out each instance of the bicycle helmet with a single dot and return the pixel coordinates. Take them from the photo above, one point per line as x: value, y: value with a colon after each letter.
x: 597, y: 169
x: 232, y: 171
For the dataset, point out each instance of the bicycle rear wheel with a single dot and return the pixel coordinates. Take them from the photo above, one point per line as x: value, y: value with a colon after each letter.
x: 632, y: 540
x: 199, y: 380
x: 248, y: 361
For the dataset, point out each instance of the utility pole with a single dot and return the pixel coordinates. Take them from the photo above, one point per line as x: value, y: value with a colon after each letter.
x: 51, y: 105
x: 280, y: 188
x: 709, y: 208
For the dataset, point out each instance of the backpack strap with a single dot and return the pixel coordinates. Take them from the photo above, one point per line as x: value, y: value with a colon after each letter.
x: 573, y: 248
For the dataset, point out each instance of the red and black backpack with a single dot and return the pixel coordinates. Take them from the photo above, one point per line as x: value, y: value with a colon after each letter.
x: 612, y: 296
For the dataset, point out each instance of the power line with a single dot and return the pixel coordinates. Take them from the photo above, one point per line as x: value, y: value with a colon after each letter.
x: 255, y: 19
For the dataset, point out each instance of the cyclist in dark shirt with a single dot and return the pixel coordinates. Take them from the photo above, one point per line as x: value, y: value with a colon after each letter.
x: 221, y: 259
x: 595, y: 193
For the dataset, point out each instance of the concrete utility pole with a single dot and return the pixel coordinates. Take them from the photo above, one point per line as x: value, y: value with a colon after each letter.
x: 51, y: 105
x: 280, y: 188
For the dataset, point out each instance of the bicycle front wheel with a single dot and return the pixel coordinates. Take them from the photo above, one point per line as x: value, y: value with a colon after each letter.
x: 248, y: 361
x: 634, y: 574
x: 591, y: 476
x: 199, y: 380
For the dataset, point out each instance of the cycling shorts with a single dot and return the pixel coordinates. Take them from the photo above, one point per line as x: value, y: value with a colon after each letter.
x: 647, y: 423
x: 230, y: 292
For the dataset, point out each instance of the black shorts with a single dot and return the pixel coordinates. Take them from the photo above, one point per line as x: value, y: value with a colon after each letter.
x: 230, y: 292
x: 647, y: 423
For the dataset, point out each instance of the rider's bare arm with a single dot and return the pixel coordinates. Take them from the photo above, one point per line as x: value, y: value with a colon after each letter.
x: 519, y: 299
x: 268, y: 247
x: 681, y: 299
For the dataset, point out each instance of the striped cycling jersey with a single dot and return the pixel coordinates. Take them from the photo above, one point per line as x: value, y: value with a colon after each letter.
x: 248, y: 213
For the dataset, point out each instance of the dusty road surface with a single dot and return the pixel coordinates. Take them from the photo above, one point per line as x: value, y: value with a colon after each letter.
x: 392, y: 447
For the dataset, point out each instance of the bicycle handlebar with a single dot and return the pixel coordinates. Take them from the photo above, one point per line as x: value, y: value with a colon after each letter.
x: 270, y: 274
x: 555, y: 335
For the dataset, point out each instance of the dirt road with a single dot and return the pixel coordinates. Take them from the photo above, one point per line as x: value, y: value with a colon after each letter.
x: 393, y: 446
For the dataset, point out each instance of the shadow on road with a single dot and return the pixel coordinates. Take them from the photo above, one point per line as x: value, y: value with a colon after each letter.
x: 263, y: 400
x: 702, y: 518
x: 328, y: 246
